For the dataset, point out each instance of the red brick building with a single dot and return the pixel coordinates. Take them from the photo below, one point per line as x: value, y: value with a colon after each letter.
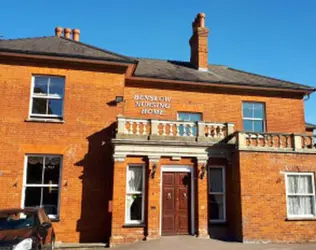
x: 120, y: 149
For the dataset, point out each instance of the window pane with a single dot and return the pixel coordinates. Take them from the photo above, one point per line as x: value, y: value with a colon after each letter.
x: 52, y: 167
x: 40, y: 85
x: 195, y: 117
x: 39, y: 106
x: 56, y: 86
x: 34, y: 170
x: 216, y: 208
x: 258, y: 126
x: 32, y: 197
x: 216, y: 180
x: 50, y: 200
x: 183, y: 117
x: 191, y: 117
x: 135, y: 179
x: 258, y: 110
x: 134, y: 207
x: 300, y: 184
x: 248, y: 125
x: 247, y: 109
x: 302, y: 205
x: 55, y: 107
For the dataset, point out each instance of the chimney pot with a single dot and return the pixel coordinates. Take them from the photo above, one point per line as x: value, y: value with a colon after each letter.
x: 76, y: 35
x: 201, y: 17
x: 67, y: 33
x: 58, y: 31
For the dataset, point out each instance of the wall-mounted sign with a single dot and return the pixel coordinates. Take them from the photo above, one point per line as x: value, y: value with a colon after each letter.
x: 152, y: 104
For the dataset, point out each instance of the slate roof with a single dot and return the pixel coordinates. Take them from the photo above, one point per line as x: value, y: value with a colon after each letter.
x: 151, y: 68
x: 60, y: 46
x: 175, y: 70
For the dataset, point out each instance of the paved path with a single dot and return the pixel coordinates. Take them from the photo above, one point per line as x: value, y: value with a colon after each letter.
x: 191, y: 243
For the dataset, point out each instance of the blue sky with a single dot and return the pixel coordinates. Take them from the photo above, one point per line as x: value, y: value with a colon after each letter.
x: 269, y: 37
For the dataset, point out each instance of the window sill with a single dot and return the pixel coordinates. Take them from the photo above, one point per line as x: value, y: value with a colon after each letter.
x: 301, y: 219
x: 133, y: 225
x: 54, y: 219
x: 44, y: 120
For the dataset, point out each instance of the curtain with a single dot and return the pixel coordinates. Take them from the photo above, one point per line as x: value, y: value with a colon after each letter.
x: 300, y: 205
x: 135, y: 179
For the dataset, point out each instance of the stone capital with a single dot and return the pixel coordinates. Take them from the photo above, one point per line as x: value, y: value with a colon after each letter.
x: 201, y: 160
x: 119, y: 158
x: 153, y: 158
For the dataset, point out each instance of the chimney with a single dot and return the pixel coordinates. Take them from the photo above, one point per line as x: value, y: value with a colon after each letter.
x: 67, y: 33
x: 76, y: 35
x: 58, y: 31
x: 198, y: 43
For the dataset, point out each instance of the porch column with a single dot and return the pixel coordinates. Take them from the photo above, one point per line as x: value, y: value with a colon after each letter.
x: 153, y: 208
x: 202, y: 198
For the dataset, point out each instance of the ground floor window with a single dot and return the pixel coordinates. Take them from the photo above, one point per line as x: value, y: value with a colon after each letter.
x: 42, y: 183
x: 217, y: 195
x: 300, y: 192
x: 134, y: 211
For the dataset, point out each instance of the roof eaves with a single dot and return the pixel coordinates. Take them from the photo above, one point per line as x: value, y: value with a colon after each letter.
x: 65, y: 55
x: 273, y: 78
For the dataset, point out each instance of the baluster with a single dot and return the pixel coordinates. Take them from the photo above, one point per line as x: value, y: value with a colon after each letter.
x: 190, y: 129
x: 177, y: 128
x: 257, y: 140
x: 272, y: 141
x: 163, y: 129
x: 137, y: 128
x: 208, y: 131
x: 144, y: 128
x: 171, y: 129
x: 130, y: 128
x: 125, y: 127
x: 266, y: 141
x: 280, y: 141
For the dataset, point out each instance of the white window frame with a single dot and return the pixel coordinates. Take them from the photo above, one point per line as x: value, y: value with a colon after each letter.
x: 223, y: 193
x: 48, y: 96
x: 25, y: 185
x: 294, y: 216
x: 254, y: 119
x: 128, y: 193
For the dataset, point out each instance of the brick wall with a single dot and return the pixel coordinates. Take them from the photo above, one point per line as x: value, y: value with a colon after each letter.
x: 284, y: 114
x: 83, y: 140
x: 263, y: 197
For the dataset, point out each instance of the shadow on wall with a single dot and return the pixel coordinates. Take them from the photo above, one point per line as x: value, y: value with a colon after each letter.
x: 231, y: 230
x: 94, y: 224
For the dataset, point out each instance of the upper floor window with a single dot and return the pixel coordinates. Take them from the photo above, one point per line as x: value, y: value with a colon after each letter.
x: 47, y: 98
x: 253, y: 117
x: 42, y: 183
x: 188, y: 117
x: 300, y: 192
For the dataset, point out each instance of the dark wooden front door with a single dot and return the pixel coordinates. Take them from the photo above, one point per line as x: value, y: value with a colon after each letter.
x: 176, y: 203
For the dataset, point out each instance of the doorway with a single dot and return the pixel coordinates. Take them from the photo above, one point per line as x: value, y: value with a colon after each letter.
x: 177, y: 205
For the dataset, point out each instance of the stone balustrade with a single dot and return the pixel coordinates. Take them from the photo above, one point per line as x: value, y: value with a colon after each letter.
x: 276, y: 142
x: 172, y: 130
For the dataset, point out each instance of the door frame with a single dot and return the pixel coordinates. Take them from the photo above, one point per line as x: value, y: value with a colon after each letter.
x: 178, y: 168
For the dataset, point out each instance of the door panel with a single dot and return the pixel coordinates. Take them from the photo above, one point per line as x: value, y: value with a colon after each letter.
x: 176, y: 201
